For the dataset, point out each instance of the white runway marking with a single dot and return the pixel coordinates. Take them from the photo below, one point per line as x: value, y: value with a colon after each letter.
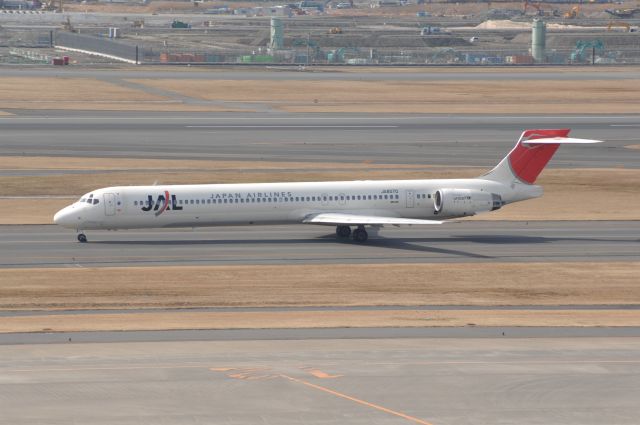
x: 291, y: 126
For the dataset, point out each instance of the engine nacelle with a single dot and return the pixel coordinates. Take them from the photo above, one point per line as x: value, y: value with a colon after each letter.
x: 464, y: 202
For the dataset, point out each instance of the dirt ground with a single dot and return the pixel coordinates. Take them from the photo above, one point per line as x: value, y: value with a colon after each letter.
x: 325, y: 319
x: 318, y: 285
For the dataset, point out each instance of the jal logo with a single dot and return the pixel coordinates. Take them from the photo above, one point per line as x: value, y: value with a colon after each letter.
x: 161, y: 204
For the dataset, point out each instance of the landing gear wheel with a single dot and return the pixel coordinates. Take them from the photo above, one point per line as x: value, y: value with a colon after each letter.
x: 360, y: 235
x: 343, y: 231
x: 82, y: 238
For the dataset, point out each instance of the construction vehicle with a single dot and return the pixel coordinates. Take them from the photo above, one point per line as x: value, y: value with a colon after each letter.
x: 335, y: 30
x: 180, y: 24
x: 579, y: 55
x: 431, y: 31
x: 68, y: 26
x: 338, y: 55
x: 622, y: 13
x: 572, y: 14
x: 624, y: 25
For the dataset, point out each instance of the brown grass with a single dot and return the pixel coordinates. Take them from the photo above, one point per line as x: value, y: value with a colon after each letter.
x: 588, y: 96
x: 307, y: 285
x: 324, y: 319
x: 62, y: 89
x: 570, y: 194
x: 584, y: 96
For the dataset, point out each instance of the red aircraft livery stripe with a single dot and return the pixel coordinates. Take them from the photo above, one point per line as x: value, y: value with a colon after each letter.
x: 528, y: 159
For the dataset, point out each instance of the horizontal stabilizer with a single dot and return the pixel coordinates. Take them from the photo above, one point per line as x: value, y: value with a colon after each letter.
x: 354, y: 220
x: 559, y: 140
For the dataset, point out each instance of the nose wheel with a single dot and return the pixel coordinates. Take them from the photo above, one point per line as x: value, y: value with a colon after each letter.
x: 82, y: 238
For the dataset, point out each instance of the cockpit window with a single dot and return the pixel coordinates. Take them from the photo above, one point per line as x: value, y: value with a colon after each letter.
x: 95, y: 201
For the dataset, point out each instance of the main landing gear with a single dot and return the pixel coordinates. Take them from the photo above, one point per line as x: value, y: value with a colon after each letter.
x: 82, y: 237
x: 359, y: 235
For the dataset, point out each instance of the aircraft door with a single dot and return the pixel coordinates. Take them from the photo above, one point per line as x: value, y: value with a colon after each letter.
x: 342, y: 199
x: 325, y: 199
x: 110, y: 204
x: 410, y: 197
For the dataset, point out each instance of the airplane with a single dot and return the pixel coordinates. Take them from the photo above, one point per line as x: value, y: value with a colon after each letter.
x: 344, y: 204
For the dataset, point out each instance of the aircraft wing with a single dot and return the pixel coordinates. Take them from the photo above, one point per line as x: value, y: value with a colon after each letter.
x: 353, y: 220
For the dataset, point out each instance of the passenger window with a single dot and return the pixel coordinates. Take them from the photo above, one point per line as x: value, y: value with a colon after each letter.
x: 342, y: 197
x: 135, y: 203
x: 397, y: 196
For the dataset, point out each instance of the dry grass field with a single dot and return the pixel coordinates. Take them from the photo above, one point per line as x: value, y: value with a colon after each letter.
x: 487, y: 284
x: 180, y: 320
x: 569, y: 193
x: 384, y: 96
x: 481, y: 97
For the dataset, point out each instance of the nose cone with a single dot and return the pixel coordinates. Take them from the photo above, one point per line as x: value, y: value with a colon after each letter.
x: 64, y: 217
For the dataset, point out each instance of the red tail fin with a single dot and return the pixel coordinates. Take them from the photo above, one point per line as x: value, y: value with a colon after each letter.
x: 528, y: 159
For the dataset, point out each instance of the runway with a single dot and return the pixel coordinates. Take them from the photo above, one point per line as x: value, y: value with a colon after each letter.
x: 427, y: 381
x: 464, y: 140
x: 479, y: 241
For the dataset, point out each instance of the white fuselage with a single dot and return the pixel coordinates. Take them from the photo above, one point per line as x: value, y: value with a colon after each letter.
x: 129, y: 207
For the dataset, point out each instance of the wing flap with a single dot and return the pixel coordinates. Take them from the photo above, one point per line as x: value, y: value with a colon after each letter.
x: 354, y: 219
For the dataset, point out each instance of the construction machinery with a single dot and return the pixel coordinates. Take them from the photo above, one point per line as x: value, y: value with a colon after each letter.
x: 335, y: 30
x: 622, y: 13
x: 338, y: 55
x: 572, y: 14
x: 583, y: 47
x: 68, y: 26
x: 180, y: 25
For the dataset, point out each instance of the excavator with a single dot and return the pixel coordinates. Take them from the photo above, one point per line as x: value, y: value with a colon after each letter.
x: 572, y: 14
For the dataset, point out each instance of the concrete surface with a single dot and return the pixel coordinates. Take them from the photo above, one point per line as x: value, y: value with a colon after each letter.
x: 465, y: 140
x: 52, y: 246
x: 435, y: 381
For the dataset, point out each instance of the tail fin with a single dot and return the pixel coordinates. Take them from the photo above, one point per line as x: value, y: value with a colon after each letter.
x: 528, y: 158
